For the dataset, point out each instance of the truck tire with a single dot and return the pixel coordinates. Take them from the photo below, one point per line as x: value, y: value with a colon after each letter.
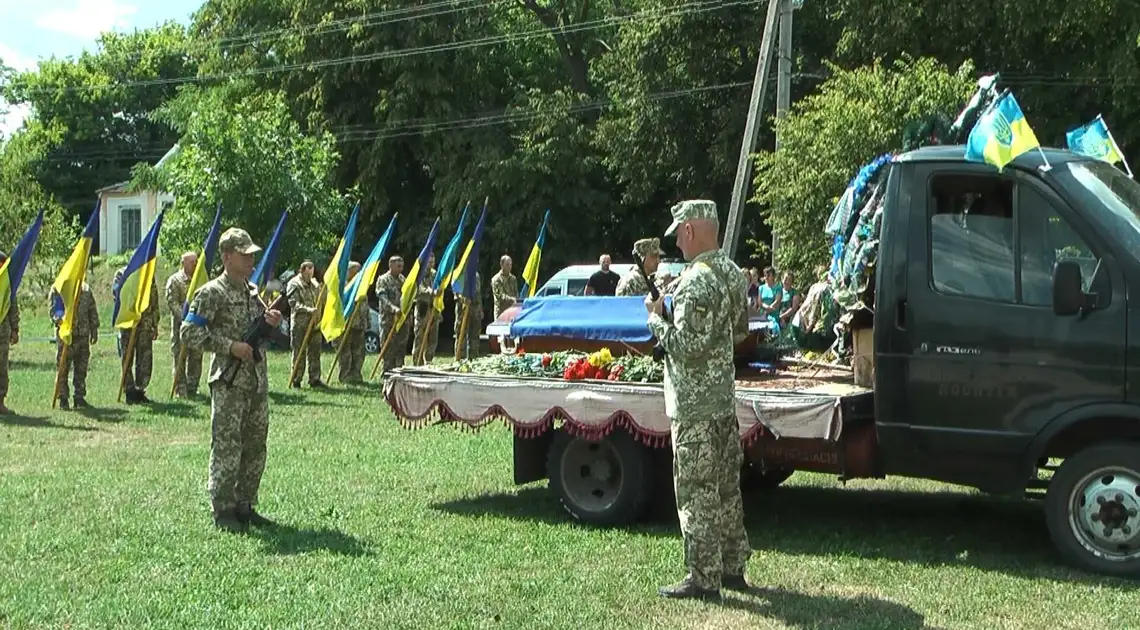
x: 1092, y: 509
x: 607, y: 482
x: 753, y: 479
x: 371, y: 342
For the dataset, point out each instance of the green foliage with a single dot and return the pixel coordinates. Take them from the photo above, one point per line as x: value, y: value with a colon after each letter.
x: 825, y: 138
x: 247, y: 152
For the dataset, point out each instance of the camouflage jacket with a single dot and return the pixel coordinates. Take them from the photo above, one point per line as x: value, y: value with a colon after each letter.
x: 302, y: 297
x: 632, y: 284
x: 176, y: 288
x: 10, y: 325
x: 424, y: 292
x: 219, y: 315
x: 709, y: 317
x: 476, y: 304
x: 149, y: 320
x: 388, y: 290
x: 504, y: 292
x: 361, y: 314
x: 86, y: 324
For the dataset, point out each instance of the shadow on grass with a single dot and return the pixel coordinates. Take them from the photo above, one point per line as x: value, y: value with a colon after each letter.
x: 17, y: 420
x: 824, y: 612
x: 286, y: 398
x: 32, y: 366
x: 929, y: 529
x: 286, y: 540
x: 103, y: 414
x: 177, y: 408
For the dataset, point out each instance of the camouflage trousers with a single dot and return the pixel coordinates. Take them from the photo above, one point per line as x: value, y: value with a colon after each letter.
x: 425, y: 344
x: 706, y: 475
x: 4, y: 347
x: 139, y: 378
x: 351, y: 358
x: 397, y: 348
x: 187, y: 370
x: 297, y: 328
x: 78, y: 354
x: 239, y: 420
x: 467, y: 347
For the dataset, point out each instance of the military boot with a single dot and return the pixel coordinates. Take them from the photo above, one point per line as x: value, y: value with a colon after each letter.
x: 228, y: 520
x: 735, y: 583
x: 132, y: 397
x: 246, y: 514
x: 63, y: 403
x: 81, y: 403
x: 4, y: 410
x: 687, y: 589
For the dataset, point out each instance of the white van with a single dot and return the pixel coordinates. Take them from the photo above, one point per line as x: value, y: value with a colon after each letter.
x: 572, y: 280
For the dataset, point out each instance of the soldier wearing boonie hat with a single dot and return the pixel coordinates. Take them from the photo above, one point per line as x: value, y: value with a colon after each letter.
x: 646, y: 252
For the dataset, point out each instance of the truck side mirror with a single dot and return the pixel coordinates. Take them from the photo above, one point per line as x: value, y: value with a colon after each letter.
x: 1068, y: 294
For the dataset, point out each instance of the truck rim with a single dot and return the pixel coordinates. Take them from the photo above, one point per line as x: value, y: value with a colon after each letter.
x: 1104, y: 513
x: 591, y: 474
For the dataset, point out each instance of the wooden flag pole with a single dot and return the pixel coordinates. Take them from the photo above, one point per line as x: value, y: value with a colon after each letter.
x: 178, y: 371
x: 61, y: 371
x: 308, y: 333
x: 424, y: 335
x: 463, y: 330
x: 343, y: 339
x: 128, y: 358
x: 383, y: 348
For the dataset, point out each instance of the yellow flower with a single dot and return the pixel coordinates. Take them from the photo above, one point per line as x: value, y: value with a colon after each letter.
x: 601, y: 358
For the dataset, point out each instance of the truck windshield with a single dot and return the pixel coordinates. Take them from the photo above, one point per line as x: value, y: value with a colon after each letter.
x: 1100, y: 184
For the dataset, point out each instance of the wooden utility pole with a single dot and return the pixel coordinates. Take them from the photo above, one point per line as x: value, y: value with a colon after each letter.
x: 783, y: 85
x: 778, y: 11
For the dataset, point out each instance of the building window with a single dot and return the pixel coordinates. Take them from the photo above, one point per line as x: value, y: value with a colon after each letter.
x: 130, y: 227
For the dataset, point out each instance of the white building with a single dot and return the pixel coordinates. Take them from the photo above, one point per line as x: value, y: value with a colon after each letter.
x: 125, y: 217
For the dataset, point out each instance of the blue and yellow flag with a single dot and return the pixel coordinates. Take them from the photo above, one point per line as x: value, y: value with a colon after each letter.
x: 69, y: 282
x: 1095, y: 141
x: 357, y: 289
x: 332, y: 318
x: 12, y: 270
x: 447, y: 262
x: 205, y: 261
x: 530, y: 271
x: 469, y: 266
x: 134, y: 295
x: 267, y: 266
x: 1001, y: 134
x: 412, y: 280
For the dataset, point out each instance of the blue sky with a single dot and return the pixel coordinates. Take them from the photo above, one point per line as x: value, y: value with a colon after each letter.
x: 35, y: 29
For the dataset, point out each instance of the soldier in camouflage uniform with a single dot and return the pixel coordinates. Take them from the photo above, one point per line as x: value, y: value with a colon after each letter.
x: 9, y: 336
x: 389, y: 287
x: 303, y: 293
x: 709, y: 317
x: 467, y: 347
x: 504, y: 295
x: 84, y: 334
x: 217, y: 320
x: 187, y: 373
x: 425, y: 296
x: 351, y: 359
x: 633, y: 283
x: 137, y: 381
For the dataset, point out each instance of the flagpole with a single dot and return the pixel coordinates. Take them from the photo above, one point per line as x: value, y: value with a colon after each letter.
x: 463, y: 330
x: 308, y: 334
x: 1123, y: 159
x: 178, y: 371
x: 424, y: 335
x: 128, y: 357
x: 343, y: 339
x: 61, y: 373
x: 383, y: 348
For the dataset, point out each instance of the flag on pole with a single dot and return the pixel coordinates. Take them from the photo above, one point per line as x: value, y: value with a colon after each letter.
x: 266, y: 268
x: 1001, y: 134
x: 70, y: 280
x: 470, y: 264
x: 530, y: 271
x: 12, y: 270
x: 412, y: 280
x: 134, y: 295
x: 357, y: 290
x: 1096, y: 141
x: 332, y: 319
x: 205, y: 261
x: 447, y: 262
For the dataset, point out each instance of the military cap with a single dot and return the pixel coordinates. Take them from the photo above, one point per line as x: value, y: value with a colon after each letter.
x: 237, y: 240
x: 647, y: 247
x: 689, y: 210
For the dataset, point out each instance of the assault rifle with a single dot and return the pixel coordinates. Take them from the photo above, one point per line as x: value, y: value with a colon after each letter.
x: 654, y: 294
x: 257, y: 332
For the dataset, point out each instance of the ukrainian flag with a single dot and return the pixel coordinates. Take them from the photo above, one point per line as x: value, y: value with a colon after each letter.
x: 266, y: 267
x: 332, y: 319
x: 1001, y: 134
x: 530, y: 271
x: 205, y: 261
x: 443, y: 273
x: 1095, y: 141
x: 357, y: 290
x: 134, y: 295
x: 412, y: 280
x: 69, y: 282
x: 468, y: 271
x: 12, y: 271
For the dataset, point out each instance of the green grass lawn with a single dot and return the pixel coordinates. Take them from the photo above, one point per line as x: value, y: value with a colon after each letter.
x: 104, y: 522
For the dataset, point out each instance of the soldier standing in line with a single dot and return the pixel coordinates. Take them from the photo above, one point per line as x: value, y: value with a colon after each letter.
x: 504, y: 295
x: 389, y: 287
x: 138, y: 379
x: 632, y: 283
x: 9, y: 336
x: 467, y: 345
x: 303, y: 293
x: 217, y: 320
x: 84, y: 334
x: 425, y: 295
x: 187, y: 371
x: 352, y: 355
x: 709, y: 317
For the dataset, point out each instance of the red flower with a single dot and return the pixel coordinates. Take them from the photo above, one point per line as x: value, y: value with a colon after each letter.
x: 546, y: 359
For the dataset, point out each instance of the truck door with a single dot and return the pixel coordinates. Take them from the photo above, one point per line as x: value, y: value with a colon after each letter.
x: 989, y: 361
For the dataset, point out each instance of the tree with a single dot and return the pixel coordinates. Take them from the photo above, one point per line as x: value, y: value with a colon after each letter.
x: 857, y: 115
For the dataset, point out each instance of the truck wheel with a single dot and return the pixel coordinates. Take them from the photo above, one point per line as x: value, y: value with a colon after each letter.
x: 1092, y: 509
x: 602, y: 483
x: 371, y: 342
x: 753, y: 479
